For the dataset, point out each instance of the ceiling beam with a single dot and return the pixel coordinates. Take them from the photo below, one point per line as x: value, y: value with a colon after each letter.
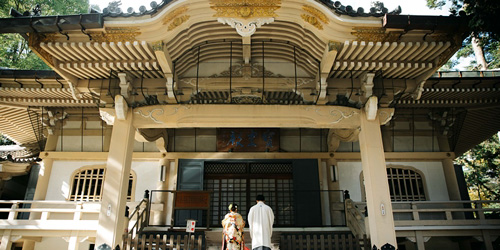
x: 167, y: 66
x: 247, y: 48
x: 327, y: 61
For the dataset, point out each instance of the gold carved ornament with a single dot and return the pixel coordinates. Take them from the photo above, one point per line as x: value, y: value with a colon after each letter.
x: 375, y: 34
x: 175, y: 18
x: 332, y: 45
x: 178, y: 21
x: 34, y: 41
x: 245, y: 8
x: 115, y: 35
x: 316, y: 13
x: 157, y: 46
x: 314, y: 17
x: 175, y: 13
x: 312, y: 20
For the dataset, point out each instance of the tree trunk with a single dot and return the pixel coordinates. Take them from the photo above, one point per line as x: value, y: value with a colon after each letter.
x: 478, y: 53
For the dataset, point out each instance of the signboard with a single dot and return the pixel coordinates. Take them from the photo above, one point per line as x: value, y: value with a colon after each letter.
x: 192, y: 200
x: 248, y: 140
x: 191, y: 224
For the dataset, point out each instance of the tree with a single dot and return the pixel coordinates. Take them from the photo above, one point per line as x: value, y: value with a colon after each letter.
x: 481, y: 166
x: 485, y: 31
x: 14, y: 50
x: 5, y: 141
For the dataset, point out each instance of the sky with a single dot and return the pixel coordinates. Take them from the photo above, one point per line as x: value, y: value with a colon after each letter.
x: 413, y: 7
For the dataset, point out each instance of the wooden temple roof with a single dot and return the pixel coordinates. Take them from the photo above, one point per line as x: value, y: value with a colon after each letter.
x: 218, y: 51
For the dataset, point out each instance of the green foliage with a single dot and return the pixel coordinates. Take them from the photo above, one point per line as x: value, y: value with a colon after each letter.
x: 15, y: 53
x: 481, y: 167
x: 434, y: 4
x: 14, y: 50
x: 5, y: 141
x: 482, y: 14
x: 491, y: 50
x: 483, y: 24
x: 449, y: 65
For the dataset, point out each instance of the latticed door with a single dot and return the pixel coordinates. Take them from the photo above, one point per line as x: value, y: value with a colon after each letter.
x: 240, y: 183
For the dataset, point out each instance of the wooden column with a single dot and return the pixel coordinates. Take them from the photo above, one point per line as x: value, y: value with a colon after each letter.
x: 378, y: 199
x: 171, y: 184
x: 6, y: 242
x: 419, y: 238
x: 28, y: 245
x: 73, y: 243
x: 325, y: 198
x: 449, y: 169
x: 163, y: 196
x: 114, y: 197
x: 45, y: 169
x: 451, y: 180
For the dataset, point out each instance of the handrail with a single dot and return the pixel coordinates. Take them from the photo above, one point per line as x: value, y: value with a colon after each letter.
x: 47, y: 202
x: 141, y: 213
x: 442, y: 213
x: 136, y: 208
x: 354, y: 218
x: 441, y: 202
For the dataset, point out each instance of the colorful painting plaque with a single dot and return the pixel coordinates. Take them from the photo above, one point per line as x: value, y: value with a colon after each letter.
x: 248, y: 140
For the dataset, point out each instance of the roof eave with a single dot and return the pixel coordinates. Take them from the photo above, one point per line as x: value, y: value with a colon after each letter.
x: 50, y: 24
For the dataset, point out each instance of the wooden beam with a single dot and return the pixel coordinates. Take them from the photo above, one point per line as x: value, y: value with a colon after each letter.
x: 237, y: 116
x: 167, y: 66
x: 247, y: 48
x: 328, y: 59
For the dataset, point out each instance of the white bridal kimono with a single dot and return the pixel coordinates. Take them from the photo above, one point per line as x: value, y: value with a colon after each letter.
x: 260, y: 221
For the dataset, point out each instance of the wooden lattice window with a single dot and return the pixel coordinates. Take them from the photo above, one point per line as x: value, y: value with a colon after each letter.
x: 88, y: 185
x: 405, y: 185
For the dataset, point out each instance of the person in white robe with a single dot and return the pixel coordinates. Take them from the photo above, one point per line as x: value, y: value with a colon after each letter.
x: 260, y: 221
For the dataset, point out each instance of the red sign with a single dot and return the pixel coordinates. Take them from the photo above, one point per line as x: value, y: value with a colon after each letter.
x: 191, y: 225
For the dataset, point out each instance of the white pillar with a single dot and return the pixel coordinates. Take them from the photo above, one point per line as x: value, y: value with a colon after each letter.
x: 449, y: 169
x: 378, y: 199
x: 45, y: 169
x: 451, y: 179
x: 487, y: 240
x: 171, y: 185
x: 29, y: 245
x: 6, y: 243
x: 114, y: 197
x: 161, y: 197
x: 73, y: 243
x: 419, y: 238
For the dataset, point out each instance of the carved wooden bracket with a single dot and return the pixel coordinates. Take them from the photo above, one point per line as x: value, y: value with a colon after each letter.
x: 245, y: 28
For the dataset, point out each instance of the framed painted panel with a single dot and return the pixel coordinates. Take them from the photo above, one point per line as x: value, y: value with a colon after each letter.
x: 248, y: 140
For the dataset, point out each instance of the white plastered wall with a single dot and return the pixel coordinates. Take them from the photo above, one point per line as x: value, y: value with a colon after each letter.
x: 435, y: 184
x: 147, y: 176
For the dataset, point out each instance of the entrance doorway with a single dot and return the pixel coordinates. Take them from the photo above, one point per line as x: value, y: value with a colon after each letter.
x: 241, y: 182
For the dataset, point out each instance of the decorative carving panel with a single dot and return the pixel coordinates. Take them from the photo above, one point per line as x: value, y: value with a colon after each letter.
x: 245, y: 8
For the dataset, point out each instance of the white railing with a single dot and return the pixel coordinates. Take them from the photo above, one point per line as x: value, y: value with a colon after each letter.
x: 50, y: 215
x: 456, y: 214
x: 449, y: 213
x: 66, y: 215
